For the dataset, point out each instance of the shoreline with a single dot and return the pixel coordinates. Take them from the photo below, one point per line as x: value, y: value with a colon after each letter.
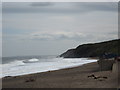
x: 47, y: 70
x: 75, y: 77
x: 71, y: 67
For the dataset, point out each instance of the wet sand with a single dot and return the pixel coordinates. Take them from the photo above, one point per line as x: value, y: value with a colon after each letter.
x: 85, y: 76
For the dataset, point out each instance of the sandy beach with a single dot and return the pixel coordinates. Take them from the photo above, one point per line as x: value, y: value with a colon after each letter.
x: 85, y: 76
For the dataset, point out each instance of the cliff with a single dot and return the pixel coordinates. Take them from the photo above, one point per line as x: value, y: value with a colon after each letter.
x: 93, y: 49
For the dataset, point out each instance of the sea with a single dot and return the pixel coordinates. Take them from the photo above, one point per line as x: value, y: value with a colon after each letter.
x: 21, y: 65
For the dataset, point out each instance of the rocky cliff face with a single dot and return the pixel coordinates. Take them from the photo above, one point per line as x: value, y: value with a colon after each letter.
x: 93, y: 50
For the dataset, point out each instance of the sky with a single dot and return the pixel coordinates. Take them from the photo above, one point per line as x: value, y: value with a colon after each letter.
x: 51, y: 28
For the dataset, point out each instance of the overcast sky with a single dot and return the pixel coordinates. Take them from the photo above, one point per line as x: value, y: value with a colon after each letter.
x: 52, y: 28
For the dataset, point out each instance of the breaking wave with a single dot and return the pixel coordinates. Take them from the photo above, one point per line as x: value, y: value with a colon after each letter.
x: 34, y: 65
x: 31, y: 60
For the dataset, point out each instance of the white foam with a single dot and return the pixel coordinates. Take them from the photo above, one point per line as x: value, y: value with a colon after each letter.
x: 20, y: 68
x: 33, y: 60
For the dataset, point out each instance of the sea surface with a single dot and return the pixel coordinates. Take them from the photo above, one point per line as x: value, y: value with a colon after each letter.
x: 21, y: 65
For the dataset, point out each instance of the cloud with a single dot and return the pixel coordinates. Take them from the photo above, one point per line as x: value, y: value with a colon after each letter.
x: 39, y: 4
x: 62, y: 35
x: 95, y: 6
x: 47, y: 7
x: 55, y: 36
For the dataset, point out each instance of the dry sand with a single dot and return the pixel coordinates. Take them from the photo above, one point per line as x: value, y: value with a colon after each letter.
x: 77, y: 77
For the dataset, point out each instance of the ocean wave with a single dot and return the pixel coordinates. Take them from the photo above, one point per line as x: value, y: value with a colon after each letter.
x: 34, y: 65
x: 31, y: 60
x: 15, y: 63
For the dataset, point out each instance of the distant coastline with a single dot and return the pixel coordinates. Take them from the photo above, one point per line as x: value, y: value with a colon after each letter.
x: 93, y: 49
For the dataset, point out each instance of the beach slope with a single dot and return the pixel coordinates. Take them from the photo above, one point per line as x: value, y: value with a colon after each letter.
x: 85, y: 76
